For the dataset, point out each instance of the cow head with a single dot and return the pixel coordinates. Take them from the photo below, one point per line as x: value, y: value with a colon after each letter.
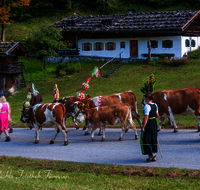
x: 80, y: 109
x: 25, y: 116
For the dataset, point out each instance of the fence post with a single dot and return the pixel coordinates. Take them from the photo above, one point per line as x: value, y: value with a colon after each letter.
x: 120, y: 57
x: 19, y: 83
x: 102, y: 71
x: 4, y: 81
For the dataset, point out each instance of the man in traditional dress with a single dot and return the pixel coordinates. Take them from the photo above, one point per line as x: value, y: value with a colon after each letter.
x: 36, y: 97
x: 148, y: 138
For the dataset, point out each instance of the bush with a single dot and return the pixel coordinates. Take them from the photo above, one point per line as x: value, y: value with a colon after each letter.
x: 69, y: 68
x: 194, y: 54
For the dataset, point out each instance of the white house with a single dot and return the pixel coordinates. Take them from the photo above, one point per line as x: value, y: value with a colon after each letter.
x: 171, y: 33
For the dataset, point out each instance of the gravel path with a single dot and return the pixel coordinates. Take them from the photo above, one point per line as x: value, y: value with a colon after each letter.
x: 181, y: 150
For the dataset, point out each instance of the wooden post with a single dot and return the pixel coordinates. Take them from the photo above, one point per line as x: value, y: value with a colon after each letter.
x: 76, y: 42
x: 149, y: 53
x: 111, y: 65
x: 102, y: 71
x: 4, y: 81
x: 15, y: 83
x: 19, y: 83
x: 120, y: 57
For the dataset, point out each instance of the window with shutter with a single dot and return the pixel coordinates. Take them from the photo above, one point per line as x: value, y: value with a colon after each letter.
x: 102, y: 46
x: 106, y: 46
x: 83, y: 46
x: 114, y: 46
x: 167, y: 44
x: 87, y: 46
x: 95, y: 46
x: 99, y: 44
x: 110, y: 45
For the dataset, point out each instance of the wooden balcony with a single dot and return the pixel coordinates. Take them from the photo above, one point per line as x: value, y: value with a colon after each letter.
x: 11, y: 67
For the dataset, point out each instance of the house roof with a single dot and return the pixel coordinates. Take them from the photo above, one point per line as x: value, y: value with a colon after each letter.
x: 7, y: 48
x: 132, y: 22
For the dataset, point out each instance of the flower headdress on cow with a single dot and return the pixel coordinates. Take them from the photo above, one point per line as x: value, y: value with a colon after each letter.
x: 33, y: 89
x: 149, y: 84
x: 85, y: 85
x: 83, y: 104
x: 56, y: 92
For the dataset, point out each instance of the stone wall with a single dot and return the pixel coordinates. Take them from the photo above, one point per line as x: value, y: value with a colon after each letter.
x: 65, y: 59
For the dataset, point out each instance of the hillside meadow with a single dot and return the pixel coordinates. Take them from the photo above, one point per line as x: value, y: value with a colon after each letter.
x: 128, y: 77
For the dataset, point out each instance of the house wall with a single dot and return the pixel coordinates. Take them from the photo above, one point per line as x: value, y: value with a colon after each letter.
x: 178, y: 46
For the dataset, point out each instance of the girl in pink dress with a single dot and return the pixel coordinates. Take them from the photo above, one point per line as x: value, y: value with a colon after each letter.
x: 4, y: 118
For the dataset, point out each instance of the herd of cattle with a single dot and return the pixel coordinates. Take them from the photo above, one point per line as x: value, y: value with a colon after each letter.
x: 111, y: 109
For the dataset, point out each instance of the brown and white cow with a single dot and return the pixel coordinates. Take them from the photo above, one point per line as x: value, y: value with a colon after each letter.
x: 111, y: 115
x: 46, y: 115
x: 124, y: 97
x: 178, y: 102
x: 68, y: 102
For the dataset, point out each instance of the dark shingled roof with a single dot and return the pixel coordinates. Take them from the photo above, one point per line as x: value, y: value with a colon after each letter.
x: 132, y: 22
x: 6, y: 48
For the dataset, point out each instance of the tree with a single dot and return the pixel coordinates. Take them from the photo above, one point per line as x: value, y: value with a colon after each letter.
x: 5, y: 13
x: 45, y: 42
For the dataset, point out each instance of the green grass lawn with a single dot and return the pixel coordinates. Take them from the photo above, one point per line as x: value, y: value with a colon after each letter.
x: 25, y: 173
x: 128, y: 77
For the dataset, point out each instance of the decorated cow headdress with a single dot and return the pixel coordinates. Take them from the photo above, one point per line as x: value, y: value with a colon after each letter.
x: 80, y: 95
x: 56, y: 92
x: 149, y: 84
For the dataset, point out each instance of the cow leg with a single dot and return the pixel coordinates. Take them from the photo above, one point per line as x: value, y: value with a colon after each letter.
x: 137, y: 117
x: 123, y: 130
x: 93, y: 130
x: 162, y: 119
x: 57, y: 130
x: 75, y: 123
x: 198, y: 123
x: 100, y: 131
x: 37, y: 138
x: 89, y: 128
x: 104, y: 134
x: 171, y: 117
x: 86, y: 122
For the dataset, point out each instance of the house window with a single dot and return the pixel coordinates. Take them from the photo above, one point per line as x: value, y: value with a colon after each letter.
x: 122, y: 45
x: 154, y: 44
x: 98, y: 46
x: 187, y: 43
x: 86, y: 46
x: 110, y: 46
x: 167, y: 44
x: 193, y: 43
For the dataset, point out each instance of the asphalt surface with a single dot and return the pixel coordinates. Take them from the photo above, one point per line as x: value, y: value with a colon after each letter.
x: 181, y: 150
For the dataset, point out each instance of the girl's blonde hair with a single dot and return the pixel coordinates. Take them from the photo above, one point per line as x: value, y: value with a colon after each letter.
x: 3, y: 99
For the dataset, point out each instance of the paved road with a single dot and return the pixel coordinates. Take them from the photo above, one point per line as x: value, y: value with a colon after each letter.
x: 181, y: 150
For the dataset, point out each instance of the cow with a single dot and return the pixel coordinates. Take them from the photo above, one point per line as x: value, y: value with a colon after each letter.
x: 112, y: 115
x: 46, y: 115
x: 177, y: 102
x: 68, y: 102
x: 124, y: 97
